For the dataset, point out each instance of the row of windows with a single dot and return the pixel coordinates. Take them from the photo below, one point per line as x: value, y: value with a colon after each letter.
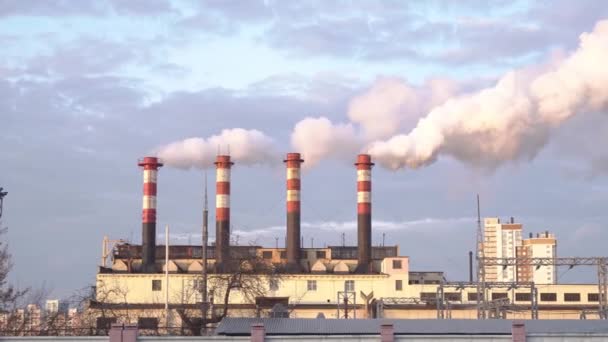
x: 519, y: 297
x: 349, y: 285
x: 303, y: 254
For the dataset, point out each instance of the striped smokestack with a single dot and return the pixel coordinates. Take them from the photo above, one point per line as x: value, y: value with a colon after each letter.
x: 293, y: 162
x: 148, y: 241
x: 364, y: 213
x: 222, y: 212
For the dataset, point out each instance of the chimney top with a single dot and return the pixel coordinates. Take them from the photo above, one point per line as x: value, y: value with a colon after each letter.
x: 222, y: 160
x: 364, y: 159
x: 293, y: 157
x: 150, y: 161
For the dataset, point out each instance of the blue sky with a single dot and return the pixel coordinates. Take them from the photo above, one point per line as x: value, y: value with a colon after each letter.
x: 86, y: 88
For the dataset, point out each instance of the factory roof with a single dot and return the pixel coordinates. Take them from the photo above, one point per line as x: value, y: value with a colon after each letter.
x: 320, y: 326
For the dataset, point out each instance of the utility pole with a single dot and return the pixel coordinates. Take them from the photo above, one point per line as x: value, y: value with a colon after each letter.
x: 204, y: 255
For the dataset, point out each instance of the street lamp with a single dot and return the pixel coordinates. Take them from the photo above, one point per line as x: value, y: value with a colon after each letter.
x: 2, y: 194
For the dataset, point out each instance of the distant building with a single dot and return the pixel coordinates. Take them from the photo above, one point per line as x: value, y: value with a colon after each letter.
x: 504, y: 240
x: 501, y: 241
x: 544, y: 245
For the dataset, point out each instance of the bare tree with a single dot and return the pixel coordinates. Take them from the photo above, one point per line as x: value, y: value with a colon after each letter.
x: 251, y: 277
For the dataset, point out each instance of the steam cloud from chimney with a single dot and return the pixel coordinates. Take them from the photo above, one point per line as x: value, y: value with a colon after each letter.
x: 511, y: 120
x: 246, y: 147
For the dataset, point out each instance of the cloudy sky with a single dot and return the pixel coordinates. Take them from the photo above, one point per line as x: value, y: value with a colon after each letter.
x: 500, y: 98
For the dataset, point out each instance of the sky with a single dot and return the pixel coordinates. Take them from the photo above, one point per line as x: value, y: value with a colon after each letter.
x: 452, y: 98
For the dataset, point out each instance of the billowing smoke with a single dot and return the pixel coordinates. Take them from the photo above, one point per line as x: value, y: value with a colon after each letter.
x: 247, y: 147
x: 318, y: 138
x: 388, y: 107
x: 513, y: 119
x: 392, y: 104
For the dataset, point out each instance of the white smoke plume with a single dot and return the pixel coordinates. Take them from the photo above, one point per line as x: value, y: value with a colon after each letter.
x: 390, y: 105
x: 319, y: 138
x: 246, y: 147
x: 513, y: 119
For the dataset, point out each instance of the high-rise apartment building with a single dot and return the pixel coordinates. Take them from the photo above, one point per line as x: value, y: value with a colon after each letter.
x: 544, y: 245
x: 501, y: 240
x: 504, y: 240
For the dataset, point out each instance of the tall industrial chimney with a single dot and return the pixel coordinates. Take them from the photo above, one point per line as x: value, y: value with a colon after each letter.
x: 148, y: 241
x: 364, y: 212
x: 222, y: 212
x: 293, y: 162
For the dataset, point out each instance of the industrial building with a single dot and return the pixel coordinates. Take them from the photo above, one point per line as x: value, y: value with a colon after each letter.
x: 162, y: 286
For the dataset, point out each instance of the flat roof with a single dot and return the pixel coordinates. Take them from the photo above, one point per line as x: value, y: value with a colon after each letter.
x: 321, y: 326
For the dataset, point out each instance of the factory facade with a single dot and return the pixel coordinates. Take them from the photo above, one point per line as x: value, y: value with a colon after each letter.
x: 145, y: 285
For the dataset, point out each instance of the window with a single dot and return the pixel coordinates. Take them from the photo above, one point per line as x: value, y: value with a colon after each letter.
x: 452, y: 296
x: 267, y: 254
x: 472, y: 296
x: 311, y: 285
x: 499, y: 295
x: 415, y: 281
x: 593, y: 297
x: 303, y: 254
x: 572, y: 297
x: 320, y: 254
x: 428, y: 296
x: 147, y: 323
x: 156, y: 285
x: 105, y: 322
x: 283, y: 255
x: 522, y: 297
x: 349, y: 285
x: 548, y: 297
x: 273, y: 284
x: 398, y: 285
x: 397, y: 264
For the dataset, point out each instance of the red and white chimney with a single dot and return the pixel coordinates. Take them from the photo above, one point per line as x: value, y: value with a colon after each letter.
x: 222, y: 212
x: 364, y: 213
x: 150, y: 167
x: 293, y: 162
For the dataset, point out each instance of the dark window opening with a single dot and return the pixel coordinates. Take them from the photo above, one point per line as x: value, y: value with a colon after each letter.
x: 593, y: 297
x: 548, y: 297
x: 105, y: 322
x: 499, y: 295
x: 157, y: 285
x: 147, y: 323
x: 428, y: 296
x: 267, y: 254
x: 472, y: 296
x: 320, y: 254
x: 283, y: 255
x: 453, y: 296
x: 397, y: 264
x: 523, y: 297
x: 398, y: 285
x: 572, y: 297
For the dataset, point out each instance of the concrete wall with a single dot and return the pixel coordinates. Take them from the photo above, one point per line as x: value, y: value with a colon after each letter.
x: 418, y: 338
